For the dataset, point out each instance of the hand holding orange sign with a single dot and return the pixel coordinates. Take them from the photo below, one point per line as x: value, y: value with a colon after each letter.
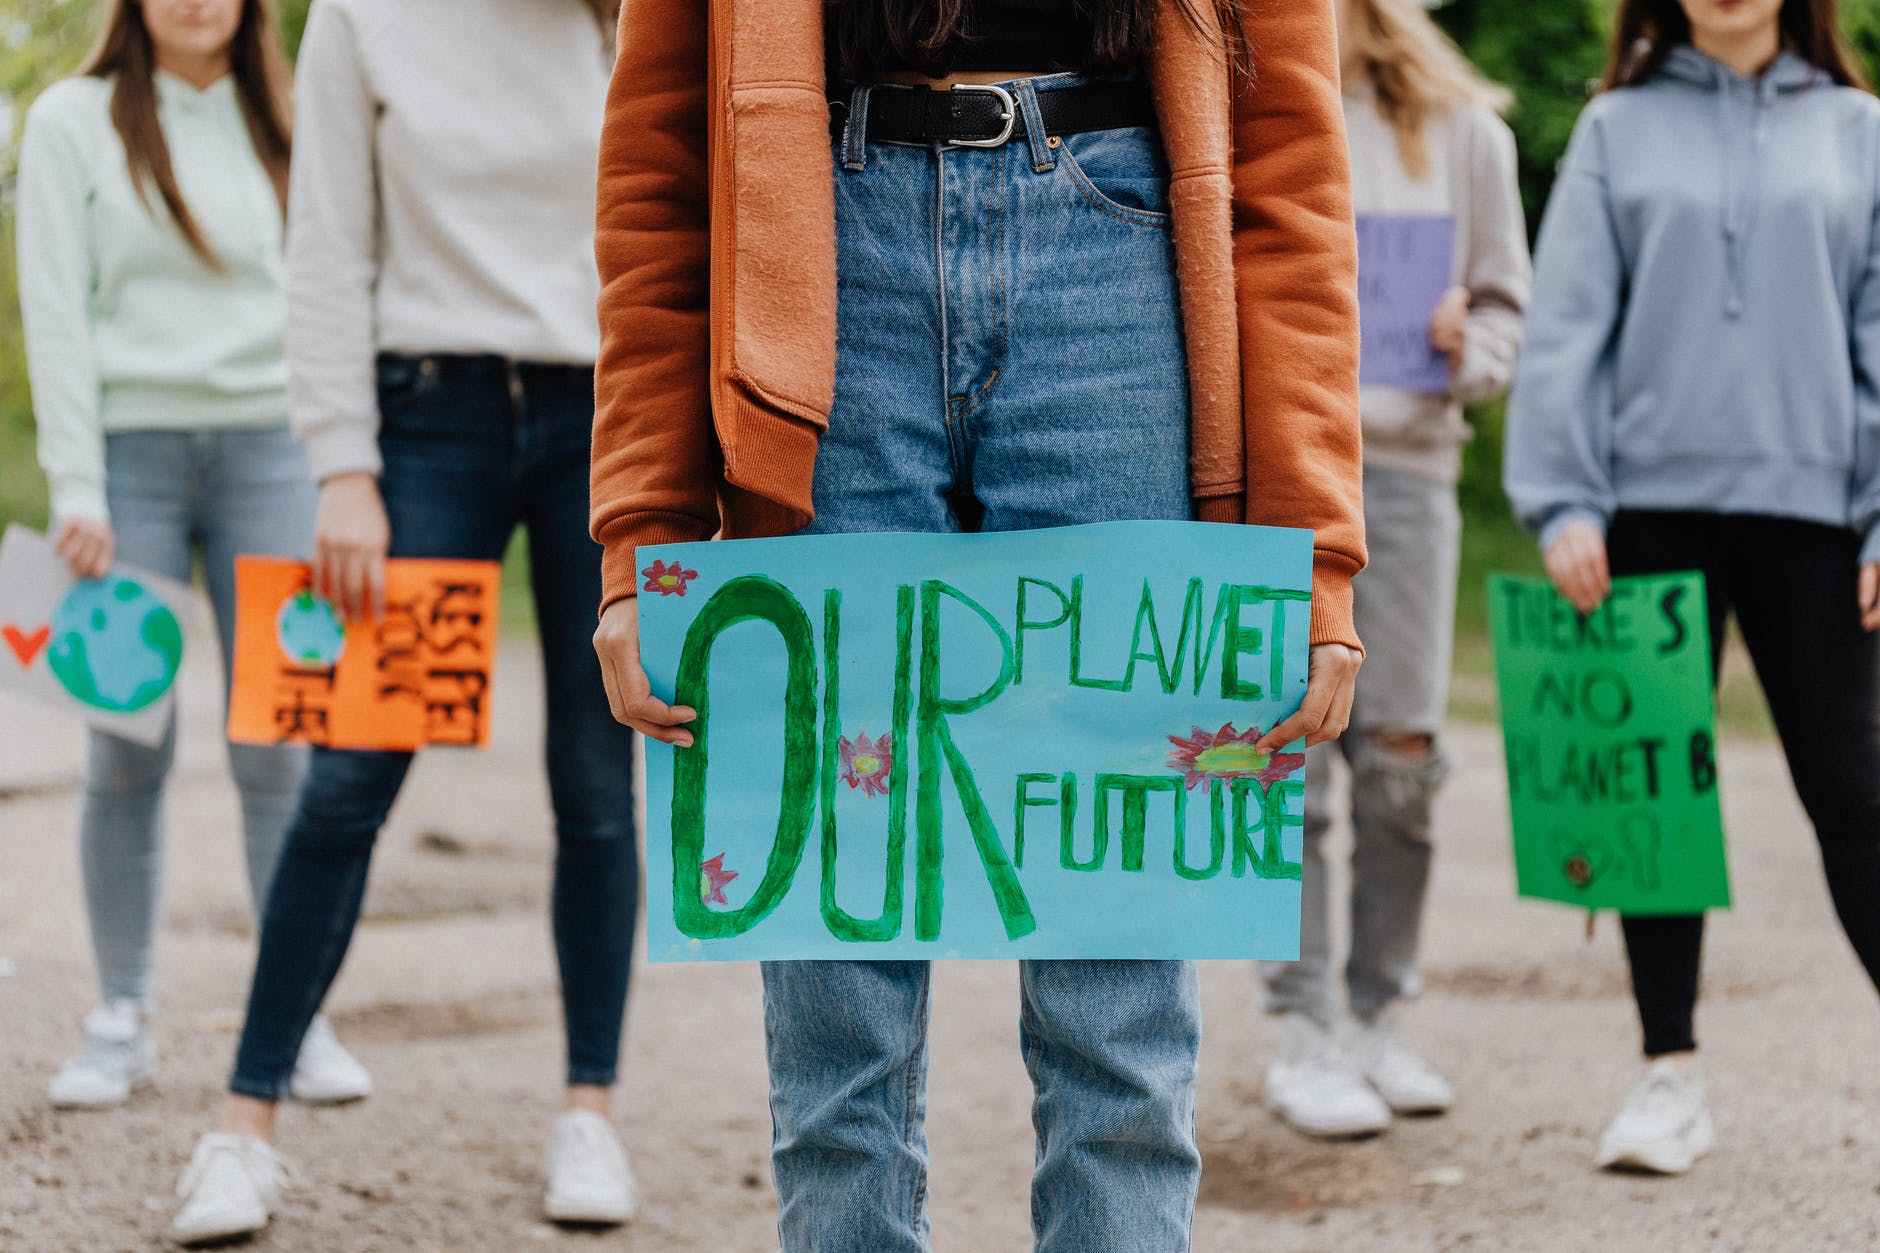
x: 418, y: 674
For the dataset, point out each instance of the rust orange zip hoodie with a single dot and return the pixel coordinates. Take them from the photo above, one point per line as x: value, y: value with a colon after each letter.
x: 715, y: 236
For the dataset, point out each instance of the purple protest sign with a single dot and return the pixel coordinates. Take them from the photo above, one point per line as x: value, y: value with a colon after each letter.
x: 1403, y: 271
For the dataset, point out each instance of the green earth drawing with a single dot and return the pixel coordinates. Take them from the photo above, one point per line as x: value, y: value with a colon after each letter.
x: 115, y: 645
x: 310, y: 633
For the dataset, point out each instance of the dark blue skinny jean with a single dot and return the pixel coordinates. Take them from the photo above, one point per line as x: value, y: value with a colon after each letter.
x: 473, y: 447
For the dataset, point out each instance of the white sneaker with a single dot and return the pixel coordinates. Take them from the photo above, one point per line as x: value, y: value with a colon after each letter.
x: 589, y: 1180
x: 1408, y: 1084
x: 325, y: 1073
x: 1317, y: 1090
x: 232, y: 1185
x: 116, y: 1058
x: 1664, y: 1125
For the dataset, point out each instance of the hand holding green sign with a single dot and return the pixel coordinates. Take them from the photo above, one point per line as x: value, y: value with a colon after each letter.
x: 1608, y: 720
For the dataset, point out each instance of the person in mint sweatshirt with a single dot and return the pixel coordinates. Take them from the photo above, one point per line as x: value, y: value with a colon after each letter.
x: 150, y: 198
x: 1698, y: 391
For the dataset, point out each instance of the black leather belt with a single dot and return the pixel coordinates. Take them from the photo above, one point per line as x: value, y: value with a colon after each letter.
x: 987, y: 116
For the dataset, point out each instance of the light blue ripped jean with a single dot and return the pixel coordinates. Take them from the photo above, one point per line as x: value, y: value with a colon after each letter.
x: 1009, y: 356
x: 173, y: 494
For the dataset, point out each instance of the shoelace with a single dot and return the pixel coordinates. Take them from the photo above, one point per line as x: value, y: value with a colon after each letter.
x: 279, y: 1173
x: 99, y: 1048
x: 1659, y: 1093
x: 594, y: 1141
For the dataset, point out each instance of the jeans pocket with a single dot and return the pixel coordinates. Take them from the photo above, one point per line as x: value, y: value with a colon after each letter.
x: 1122, y: 172
x: 403, y: 379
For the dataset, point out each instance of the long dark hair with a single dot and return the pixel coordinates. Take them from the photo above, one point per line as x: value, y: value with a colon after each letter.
x: 917, y: 32
x: 607, y: 15
x: 1647, y: 31
x: 263, y: 84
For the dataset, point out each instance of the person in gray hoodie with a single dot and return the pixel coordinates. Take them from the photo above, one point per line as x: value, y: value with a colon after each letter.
x: 1700, y: 389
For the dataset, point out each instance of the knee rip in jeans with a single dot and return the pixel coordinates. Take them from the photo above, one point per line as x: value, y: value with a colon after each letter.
x: 1410, y: 747
x: 1408, y: 765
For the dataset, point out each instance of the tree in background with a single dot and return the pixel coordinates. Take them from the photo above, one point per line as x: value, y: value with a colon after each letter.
x: 1551, y: 54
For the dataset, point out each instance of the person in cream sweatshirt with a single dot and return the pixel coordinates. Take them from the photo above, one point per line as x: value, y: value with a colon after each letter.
x: 151, y: 281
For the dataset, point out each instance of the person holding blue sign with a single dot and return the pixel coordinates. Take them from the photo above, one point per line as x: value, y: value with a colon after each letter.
x: 1701, y: 391
x: 937, y: 268
x: 151, y: 191
x: 1433, y: 179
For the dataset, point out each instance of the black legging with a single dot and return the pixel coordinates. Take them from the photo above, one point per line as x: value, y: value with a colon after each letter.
x: 1791, y: 586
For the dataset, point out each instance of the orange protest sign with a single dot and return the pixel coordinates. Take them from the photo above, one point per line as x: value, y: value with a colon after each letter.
x: 418, y: 675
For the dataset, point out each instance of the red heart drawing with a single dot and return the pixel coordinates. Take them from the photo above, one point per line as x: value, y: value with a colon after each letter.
x: 24, y: 646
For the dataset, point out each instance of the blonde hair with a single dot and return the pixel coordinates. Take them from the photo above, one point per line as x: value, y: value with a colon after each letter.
x: 1416, y: 72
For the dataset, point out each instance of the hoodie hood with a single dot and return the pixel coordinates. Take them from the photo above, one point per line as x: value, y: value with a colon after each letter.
x: 1742, y: 105
x: 1788, y: 72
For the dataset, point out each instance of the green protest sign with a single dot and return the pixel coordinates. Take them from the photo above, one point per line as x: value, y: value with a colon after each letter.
x: 1608, y: 720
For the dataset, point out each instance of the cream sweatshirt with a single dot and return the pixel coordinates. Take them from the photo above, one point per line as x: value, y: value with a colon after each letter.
x: 1472, y: 177
x: 442, y: 198
x: 126, y: 327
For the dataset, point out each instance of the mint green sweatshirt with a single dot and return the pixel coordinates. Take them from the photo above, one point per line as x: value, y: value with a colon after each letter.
x: 126, y: 327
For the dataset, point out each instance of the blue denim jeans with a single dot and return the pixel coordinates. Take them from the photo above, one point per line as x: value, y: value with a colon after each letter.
x: 173, y: 494
x: 474, y: 446
x: 1009, y: 356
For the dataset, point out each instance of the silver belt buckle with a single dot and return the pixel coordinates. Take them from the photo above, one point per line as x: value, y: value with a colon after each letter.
x: 1008, y: 114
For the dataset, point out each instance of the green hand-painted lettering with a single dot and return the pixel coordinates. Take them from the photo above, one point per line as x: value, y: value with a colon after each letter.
x: 842, y: 925
x: 1026, y: 624
x: 747, y: 599
x: 1217, y: 838
x: 935, y: 743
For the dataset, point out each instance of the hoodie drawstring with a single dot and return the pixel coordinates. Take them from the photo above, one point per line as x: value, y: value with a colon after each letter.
x: 1738, y: 185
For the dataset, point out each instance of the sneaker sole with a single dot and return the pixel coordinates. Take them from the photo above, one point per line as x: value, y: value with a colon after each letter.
x: 1661, y: 1159
x: 1326, y: 1132
x: 588, y: 1215
x: 345, y: 1097
x: 138, y: 1084
x: 1426, y: 1109
x: 247, y: 1225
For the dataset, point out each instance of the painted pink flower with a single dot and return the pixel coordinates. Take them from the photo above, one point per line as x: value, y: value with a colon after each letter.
x: 712, y: 880
x: 866, y: 762
x: 668, y: 580
x: 1229, y: 754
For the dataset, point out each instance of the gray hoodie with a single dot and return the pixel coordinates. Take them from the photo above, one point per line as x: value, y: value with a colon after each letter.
x: 1704, y: 332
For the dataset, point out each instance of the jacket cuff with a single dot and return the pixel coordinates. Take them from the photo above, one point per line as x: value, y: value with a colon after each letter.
x: 1870, y: 546
x: 341, y: 448
x: 1331, y: 621
x: 79, y: 498
x: 1228, y: 508
x: 621, y: 539
x: 1551, y: 529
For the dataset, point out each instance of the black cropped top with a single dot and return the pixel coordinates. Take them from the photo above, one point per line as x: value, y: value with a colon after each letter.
x: 1020, y: 35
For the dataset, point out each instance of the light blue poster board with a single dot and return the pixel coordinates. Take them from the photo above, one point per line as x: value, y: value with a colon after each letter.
x: 1029, y: 744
